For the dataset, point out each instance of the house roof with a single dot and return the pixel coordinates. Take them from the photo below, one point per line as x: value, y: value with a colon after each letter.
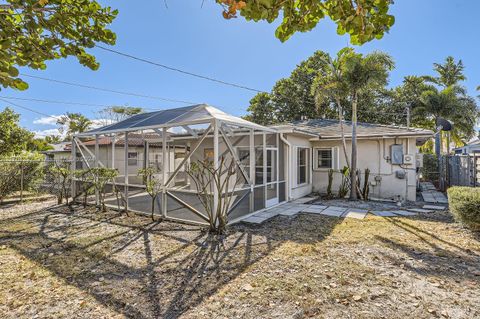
x: 188, y: 115
x: 330, y: 129
x: 471, y: 143
x: 133, y: 140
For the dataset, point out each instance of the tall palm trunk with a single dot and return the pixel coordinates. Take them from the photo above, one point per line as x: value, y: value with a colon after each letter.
x: 342, y: 131
x: 353, y: 166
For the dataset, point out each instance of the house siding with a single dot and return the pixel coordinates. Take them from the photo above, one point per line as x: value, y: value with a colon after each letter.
x: 372, y: 154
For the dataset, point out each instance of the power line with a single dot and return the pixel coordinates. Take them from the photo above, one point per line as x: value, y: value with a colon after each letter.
x: 179, y: 70
x: 69, y: 102
x: 27, y: 108
x: 106, y: 90
x: 53, y: 101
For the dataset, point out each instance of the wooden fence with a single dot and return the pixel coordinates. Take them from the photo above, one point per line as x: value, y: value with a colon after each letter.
x: 461, y: 170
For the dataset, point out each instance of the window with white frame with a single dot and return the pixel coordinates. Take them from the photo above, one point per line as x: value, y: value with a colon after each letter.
x: 302, y: 165
x: 132, y: 158
x: 324, y: 158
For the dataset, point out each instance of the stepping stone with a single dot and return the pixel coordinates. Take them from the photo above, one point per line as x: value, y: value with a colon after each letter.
x: 303, y: 200
x: 254, y: 220
x: 434, y: 207
x: 267, y: 214
x: 403, y: 213
x: 419, y: 210
x: 314, y: 209
x: 356, y: 213
x: 302, y: 206
x: 384, y: 214
x: 289, y: 212
x: 330, y: 212
x: 340, y: 209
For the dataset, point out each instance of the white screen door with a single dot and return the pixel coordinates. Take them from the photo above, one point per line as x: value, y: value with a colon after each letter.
x: 272, y: 177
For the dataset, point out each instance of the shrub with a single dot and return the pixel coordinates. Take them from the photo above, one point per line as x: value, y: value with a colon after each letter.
x: 465, y: 206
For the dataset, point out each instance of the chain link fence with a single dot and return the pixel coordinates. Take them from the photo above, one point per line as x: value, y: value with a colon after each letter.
x: 30, y: 176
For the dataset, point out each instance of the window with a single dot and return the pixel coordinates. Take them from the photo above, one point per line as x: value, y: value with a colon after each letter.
x: 302, y: 166
x: 324, y: 158
x: 132, y: 158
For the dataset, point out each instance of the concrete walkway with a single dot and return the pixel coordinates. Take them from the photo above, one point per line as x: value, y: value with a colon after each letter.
x: 300, y: 206
x: 431, y: 195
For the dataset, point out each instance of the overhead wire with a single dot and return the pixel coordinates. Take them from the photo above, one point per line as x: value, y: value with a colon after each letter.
x: 179, y: 70
x: 106, y: 89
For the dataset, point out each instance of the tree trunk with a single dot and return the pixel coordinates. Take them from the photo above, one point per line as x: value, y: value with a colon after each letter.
x: 342, y: 130
x: 153, y: 207
x: 353, y: 166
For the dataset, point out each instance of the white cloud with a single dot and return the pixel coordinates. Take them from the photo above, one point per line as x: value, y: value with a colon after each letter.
x: 47, y: 120
x: 43, y: 133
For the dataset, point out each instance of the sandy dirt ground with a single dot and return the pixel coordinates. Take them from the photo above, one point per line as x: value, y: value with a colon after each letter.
x: 62, y: 263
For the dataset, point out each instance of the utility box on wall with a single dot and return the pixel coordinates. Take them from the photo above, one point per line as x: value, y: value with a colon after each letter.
x: 396, y: 154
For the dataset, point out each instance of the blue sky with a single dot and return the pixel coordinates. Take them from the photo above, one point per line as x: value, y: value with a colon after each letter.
x: 198, y: 39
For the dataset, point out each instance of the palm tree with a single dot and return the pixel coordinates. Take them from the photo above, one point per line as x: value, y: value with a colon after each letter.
x: 330, y: 85
x: 449, y: 103
x: 75, y: 123
x: 347, y: 78
x: 449, y: 73
x: 362, y: 73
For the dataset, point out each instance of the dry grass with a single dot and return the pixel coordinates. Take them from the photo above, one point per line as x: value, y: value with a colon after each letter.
x: 82, y: 264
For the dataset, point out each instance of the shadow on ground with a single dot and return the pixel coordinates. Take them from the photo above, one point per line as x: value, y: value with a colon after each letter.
x: 145, y: 269
x: 432, y: 254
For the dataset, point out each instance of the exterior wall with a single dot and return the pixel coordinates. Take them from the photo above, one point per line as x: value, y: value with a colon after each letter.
x: 373, y: 154
x: 298, y: 191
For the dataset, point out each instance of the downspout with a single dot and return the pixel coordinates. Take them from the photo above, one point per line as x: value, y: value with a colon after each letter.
x: 289, y: 148
x: 379, y: 173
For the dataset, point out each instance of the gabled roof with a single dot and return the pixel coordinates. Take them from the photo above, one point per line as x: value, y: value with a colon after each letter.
x: 330, y: 129
x: 188, y: 115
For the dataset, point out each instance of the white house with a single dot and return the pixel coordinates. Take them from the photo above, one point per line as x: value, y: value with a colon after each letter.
x: 274, y: 164
x: 471, y: 148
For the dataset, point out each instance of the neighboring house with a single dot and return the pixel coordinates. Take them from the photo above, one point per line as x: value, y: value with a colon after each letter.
x: 114, y: 156
x: 471, y: 148
x: 60, y: 151
x: 387, y: 151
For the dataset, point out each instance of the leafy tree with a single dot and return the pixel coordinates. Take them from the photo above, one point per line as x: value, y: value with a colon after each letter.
x: 61, y: 179
x: 153, y: 185
x: 75, y: 123
x: 101, y: 176
x: 262, y: 110
x: 38, y: 145
x: 33, y: 32
x: 364, y: 20
x: 85, y: 178
x: 292, y: 98
x: 13, y: 138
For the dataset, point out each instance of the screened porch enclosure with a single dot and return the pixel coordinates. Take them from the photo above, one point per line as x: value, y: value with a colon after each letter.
x: 170, y: 142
